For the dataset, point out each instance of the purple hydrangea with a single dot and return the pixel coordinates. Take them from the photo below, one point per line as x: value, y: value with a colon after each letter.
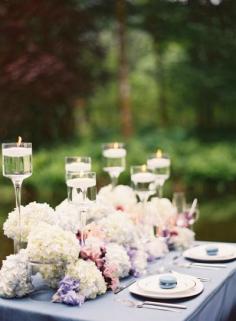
x: 151, y: 258
x: 132, y: 251
x: 72, y: 298
x: 67, y: 292
x: 68, y: 284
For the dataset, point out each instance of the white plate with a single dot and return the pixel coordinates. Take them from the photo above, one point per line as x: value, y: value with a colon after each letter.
x: 197, y: 289
x: 151, y: 284
x: 198, y: 253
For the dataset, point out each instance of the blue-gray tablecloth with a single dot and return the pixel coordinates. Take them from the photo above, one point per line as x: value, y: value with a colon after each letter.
x: 216, y: 303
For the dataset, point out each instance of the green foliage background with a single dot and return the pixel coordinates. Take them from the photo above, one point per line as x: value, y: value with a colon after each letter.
x: 181, y: 58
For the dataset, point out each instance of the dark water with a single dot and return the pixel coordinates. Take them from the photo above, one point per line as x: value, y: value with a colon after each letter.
x: 217, y: 231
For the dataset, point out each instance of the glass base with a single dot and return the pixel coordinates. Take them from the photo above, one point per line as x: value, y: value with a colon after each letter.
x: 44, y: 294
x: 45, y: 278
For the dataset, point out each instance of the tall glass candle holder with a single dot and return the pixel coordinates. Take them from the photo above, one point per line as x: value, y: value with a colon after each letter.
x: 77, y: 164
x: 17, y: 165
x: 81, y: 193
x: 143, y: 183
x: 186, y: 214
x: 114, y: 155
x: 159, y: 164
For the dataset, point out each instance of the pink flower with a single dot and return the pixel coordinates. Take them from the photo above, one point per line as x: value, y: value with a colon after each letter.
x: 93, y: 230
x: 97, y: 254
x: 120, y: 208
x: 174, y: 233
x: 110, y: 275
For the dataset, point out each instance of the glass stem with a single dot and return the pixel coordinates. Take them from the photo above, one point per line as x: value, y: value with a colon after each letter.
x: 83, y: 218
x: 17, y: 187
x: 114, y: 180
x: 144, y: 206
x: 159, y: 190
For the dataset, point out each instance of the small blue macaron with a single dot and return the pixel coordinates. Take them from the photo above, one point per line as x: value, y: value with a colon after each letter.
x: 212, y: 250
x: 167, y: 281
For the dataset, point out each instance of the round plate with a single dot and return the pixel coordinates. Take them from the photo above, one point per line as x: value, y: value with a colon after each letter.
x: 198, y: 253
x: 135, y: 289
x: 151, y: 284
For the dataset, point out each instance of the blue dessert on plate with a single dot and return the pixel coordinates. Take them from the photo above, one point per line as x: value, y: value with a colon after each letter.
x: 212, y: 250
x: 167, y: 281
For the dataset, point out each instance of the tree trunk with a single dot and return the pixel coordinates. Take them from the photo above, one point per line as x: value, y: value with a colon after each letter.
x: 123, y: 71
x: 82, y: 117
x: 162, y: 101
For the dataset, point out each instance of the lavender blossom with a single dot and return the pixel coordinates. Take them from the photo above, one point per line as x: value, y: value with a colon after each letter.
x: 67, y: 292
x: 138, y: 259
x: 68, y: 284
x: 72, y: 298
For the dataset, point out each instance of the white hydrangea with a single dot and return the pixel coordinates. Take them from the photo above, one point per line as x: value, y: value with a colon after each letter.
x: 161, y: 211
x: 52, y: 274
x: 155, y: 248
x: 67, y: 216
x: 15, y: 280
x: 139, y: 262
x: 98, y: 211
x: 94, y: 243
x: 182, y: 238
x: 118, y: 228
x: 91, y: 280
x: 48, y: 243
x: 116, y: 254
x: 121, y: 197
x: 31, y: 215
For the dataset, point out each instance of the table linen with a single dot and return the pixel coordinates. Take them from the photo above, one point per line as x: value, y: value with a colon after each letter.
x: 216, y: 303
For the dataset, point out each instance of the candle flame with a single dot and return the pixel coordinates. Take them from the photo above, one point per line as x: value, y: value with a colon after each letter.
x: 116, y: 145
x: 144, y: 168
x: 159, y: 153
x: 19, y: 141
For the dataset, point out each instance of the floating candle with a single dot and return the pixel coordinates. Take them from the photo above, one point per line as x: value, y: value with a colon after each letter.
x: 158, y: 163
x: 17, y: 151
x: 78, y: 167
x: 114, y: 170
x: 82, y: 182
x: 144, y: 177
x: 114, y: 152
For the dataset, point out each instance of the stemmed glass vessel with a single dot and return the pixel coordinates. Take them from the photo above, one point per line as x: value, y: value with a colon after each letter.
x: 186, y: 214
x: 78, y: 164
x: 159, y: 164
x: 17, y: 165
x: 143, y: 183
x: 179, y: 202
x: 81, y: 193
x: 191, y: 216
x: 114, y: 155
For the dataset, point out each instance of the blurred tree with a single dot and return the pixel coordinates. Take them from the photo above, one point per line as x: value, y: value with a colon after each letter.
x: 123, y: 72
x: 164, y: 28
x: 50, y: 57
x: 212, y: 61
x: 113, y: 19
x: 203, y: 77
